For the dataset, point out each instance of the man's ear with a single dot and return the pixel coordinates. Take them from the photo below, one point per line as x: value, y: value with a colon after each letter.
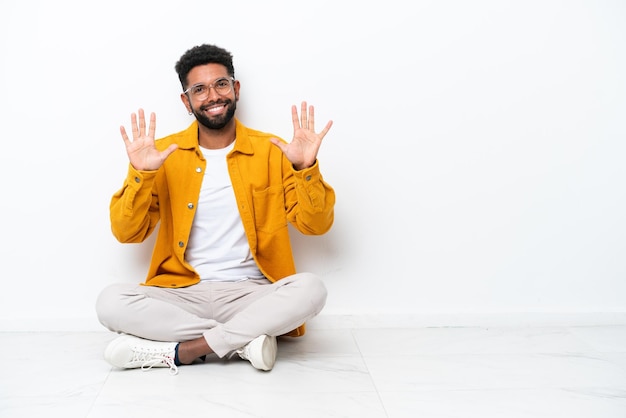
x: 185, y: 100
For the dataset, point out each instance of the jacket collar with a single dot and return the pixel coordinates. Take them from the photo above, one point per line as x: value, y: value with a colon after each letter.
x: 189, y: 138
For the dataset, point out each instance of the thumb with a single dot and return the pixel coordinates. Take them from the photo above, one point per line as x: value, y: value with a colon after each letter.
x: 280, y: 144
x: 169, y: 150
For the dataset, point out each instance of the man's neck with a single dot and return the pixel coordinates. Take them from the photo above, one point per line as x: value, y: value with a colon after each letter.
x: 216, y: 138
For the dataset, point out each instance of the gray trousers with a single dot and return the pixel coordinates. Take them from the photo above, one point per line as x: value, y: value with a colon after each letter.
x: 227, y: 315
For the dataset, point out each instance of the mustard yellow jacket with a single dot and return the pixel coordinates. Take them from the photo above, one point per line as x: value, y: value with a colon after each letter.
x: 270, y: 193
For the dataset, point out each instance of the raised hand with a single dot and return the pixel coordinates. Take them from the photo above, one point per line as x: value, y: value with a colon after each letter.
x: 142, y: 152
x: 303, y: 148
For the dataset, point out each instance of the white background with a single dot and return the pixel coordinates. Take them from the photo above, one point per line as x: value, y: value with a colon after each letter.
x: 477, y: 150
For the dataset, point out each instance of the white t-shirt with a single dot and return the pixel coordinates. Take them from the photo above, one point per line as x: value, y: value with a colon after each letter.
x: 218, y: 248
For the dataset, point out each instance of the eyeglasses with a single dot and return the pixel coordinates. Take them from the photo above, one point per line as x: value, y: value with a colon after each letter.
x: 222, y: 87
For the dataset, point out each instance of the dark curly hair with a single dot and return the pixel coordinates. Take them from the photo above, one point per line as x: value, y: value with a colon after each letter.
x: 201, y: 55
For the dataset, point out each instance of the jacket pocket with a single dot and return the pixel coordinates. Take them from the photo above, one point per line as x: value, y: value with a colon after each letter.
x: 269, y: 209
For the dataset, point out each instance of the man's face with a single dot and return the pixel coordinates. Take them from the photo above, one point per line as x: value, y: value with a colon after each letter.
x: 212, y: 95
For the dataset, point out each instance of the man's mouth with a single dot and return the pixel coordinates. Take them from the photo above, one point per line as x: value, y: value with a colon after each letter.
x: 215, y: 109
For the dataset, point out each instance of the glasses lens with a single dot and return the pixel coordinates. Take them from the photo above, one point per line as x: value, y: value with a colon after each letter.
x: 199, y: 90
x: 222, y: 85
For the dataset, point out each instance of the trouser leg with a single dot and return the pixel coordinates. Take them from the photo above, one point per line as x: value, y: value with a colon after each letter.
x: 228, y: 315
x: 153, y: 313
x: 274, y: 309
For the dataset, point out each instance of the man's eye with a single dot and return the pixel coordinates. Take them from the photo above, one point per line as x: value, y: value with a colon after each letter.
x: 198, y: 89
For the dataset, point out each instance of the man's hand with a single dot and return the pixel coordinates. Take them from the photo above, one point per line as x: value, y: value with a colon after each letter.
x: 142, y: 152
x: 303, y: 148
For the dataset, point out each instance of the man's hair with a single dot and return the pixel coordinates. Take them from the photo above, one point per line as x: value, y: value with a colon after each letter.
x: 201, y: 55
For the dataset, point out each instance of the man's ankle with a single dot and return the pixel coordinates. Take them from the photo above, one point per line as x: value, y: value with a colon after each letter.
x: 189, y: 351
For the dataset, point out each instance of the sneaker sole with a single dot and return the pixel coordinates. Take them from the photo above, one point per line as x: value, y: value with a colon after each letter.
x: 112, y: 348
x: 268, y: 354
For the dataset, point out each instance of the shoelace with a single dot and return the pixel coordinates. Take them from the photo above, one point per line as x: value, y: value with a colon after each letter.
x: 160, y: 359
x: 149, y: 360
x: 241, y: 352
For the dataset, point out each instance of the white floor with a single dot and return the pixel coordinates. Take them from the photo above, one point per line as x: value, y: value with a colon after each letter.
x: 533, y: 372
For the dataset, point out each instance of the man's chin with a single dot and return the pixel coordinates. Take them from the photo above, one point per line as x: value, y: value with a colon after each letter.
x: 211, y: 123
x: 215, y: 122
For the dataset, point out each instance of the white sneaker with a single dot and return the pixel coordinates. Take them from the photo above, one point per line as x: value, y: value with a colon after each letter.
x: 130, y: 352
x: 261, y: 352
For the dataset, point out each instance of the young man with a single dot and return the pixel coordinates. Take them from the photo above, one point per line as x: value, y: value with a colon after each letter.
x: 222, y: 278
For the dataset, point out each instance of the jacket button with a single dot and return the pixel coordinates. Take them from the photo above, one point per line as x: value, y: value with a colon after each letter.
x: 181, y: 244
x: 308, y: 178
x: 198, y: 169
x: 190, y: 205
x: 137, y: 179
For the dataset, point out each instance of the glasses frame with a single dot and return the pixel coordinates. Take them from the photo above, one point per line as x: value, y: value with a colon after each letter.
x: 231, y: 80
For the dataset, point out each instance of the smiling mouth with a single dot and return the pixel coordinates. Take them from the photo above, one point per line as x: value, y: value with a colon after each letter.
x: 215, y: 109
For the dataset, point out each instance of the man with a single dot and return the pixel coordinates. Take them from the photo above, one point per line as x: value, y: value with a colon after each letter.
x: 222, y: 278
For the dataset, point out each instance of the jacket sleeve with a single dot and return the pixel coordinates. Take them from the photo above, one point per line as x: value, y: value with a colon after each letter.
x: 134, y: 209
x: 310, y: 201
